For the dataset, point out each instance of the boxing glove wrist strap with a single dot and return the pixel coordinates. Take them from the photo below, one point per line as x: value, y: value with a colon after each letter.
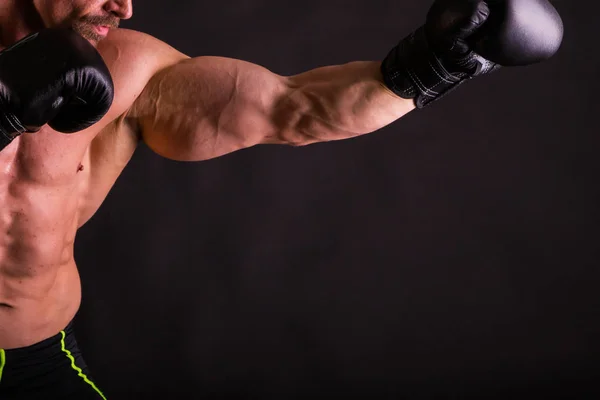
x: 412, y: 71
x: 10, y: 127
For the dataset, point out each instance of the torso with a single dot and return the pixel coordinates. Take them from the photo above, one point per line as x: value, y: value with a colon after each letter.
x: 51, y: 184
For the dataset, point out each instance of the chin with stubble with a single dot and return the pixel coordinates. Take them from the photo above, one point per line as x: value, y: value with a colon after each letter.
x: 95, y: 28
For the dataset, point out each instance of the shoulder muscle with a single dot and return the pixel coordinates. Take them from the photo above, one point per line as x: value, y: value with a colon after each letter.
x: 134, y: 58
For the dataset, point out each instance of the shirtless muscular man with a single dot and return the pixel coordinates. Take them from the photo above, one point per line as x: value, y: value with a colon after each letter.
x: 77, y: 95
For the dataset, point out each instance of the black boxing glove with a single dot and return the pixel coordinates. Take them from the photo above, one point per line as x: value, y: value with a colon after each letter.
x: 53, y: 77
x: 462, y: 39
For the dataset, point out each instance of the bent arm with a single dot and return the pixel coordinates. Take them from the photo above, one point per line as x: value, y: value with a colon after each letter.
x: 205, y: 107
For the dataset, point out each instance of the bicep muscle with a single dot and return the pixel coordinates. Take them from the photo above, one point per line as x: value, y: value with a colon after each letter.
x: 205, y: 107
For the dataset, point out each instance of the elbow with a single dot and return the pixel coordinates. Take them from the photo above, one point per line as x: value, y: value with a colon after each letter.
x: 310, y: 129
x: 297, y: 136
x: 303, y: 117
x: 294, y: 120
x: 303, y: 135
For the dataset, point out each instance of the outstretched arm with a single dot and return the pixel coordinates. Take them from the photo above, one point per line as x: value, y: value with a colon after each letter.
x: 205, y: 107
x: 201, y: 108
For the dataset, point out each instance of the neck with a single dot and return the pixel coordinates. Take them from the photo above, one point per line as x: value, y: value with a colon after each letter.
x: 17, y: 20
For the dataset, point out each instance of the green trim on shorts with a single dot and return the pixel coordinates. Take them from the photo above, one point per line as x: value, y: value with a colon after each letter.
x: 76, y: 368
x: 2, y: 362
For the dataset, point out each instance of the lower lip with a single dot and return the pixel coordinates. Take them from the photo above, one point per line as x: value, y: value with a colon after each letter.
x: 102, y: 30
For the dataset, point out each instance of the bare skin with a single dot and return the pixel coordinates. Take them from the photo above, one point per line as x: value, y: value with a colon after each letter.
x: 183, y: 108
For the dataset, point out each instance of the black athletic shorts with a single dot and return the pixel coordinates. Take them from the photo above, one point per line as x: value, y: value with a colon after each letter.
x: 48, y: 370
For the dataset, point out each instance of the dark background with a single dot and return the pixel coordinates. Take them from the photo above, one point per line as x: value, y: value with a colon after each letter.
x: 452, y: 254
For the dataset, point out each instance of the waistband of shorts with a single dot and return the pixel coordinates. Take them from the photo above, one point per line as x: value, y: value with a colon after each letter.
x: 46, y: 345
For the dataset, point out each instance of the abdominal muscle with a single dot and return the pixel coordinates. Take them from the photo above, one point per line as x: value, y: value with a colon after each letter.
x: 40, y: 203
x: 26, y: 319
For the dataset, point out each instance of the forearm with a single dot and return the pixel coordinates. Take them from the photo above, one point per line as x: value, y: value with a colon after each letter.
x: 338, y: 102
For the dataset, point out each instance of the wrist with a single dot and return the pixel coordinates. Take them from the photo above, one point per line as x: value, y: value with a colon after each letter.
x: 10, y: 125
x: 412, y: 71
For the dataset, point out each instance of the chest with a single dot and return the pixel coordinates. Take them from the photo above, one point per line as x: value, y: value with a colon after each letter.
x: 46, y: 157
